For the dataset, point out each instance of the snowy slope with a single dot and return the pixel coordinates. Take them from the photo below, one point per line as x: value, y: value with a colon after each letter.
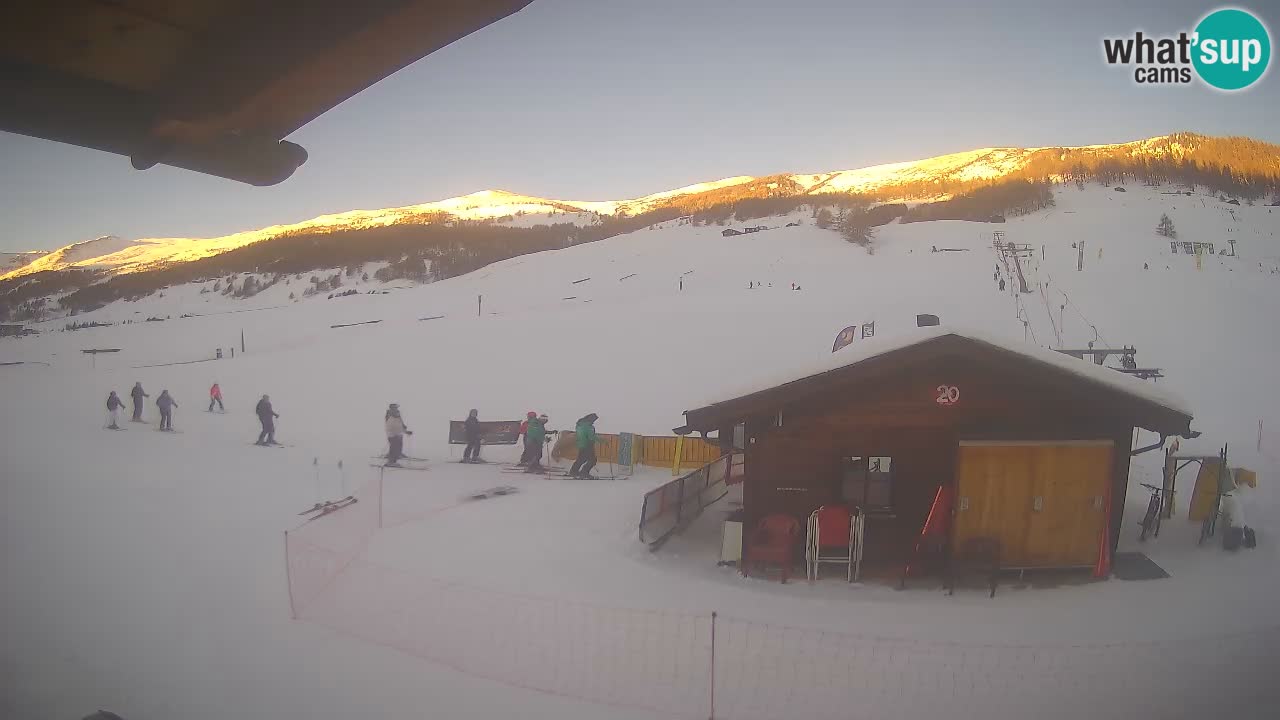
x: 141, y: 254
x: 144, y: 571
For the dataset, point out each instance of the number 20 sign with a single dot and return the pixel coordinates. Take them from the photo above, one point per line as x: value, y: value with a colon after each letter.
x: 948, y: 395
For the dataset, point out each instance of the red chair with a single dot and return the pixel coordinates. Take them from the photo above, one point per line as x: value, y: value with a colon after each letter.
x: 773, y: 541
x: 830, y: 539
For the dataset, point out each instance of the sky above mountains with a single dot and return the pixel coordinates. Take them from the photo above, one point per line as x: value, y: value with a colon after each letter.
x: 613, y: 99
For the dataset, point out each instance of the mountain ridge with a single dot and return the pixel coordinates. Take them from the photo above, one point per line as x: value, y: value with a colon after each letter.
x: 934, y: 177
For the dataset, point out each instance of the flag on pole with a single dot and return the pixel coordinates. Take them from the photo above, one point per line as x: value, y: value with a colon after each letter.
x: 846, y: 336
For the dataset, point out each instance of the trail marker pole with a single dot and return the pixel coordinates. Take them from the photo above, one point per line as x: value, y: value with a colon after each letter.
x: 712, y: 716
x: 242, y: 341
x: 288, y: 578
x: 479, y: 303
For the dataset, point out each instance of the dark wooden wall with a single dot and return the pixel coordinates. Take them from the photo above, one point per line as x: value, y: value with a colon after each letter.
x: 794, y: 468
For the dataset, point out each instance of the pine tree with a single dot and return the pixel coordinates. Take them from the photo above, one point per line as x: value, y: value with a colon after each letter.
x: 855, y: 226
x: 824, y: 218
x: 1165, y: 228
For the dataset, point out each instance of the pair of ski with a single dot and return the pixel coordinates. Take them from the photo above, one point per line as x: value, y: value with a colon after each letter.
x: 404, y: 463
x: 555, y: 473
x: 542, y: 470
x: 324, y: 508
x: 494, y: 492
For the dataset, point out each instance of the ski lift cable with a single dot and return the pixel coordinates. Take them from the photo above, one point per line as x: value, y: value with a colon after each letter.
x: 1080, y: 312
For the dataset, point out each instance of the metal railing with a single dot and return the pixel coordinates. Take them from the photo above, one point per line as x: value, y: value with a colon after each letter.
x: 670, y: 508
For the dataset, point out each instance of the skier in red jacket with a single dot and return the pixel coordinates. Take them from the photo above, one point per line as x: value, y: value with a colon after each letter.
x: 215, y: 396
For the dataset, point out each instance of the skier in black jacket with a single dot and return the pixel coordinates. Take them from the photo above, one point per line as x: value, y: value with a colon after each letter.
x: 137, y: 393
x: 113, y: 409
x: 472, y: 426
x: 266, y: 416
x: 166, y: 403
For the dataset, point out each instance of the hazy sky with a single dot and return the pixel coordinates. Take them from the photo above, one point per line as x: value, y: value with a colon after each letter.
x: 606, y: 99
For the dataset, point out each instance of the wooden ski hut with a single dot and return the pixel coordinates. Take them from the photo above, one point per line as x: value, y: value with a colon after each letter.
x: 1017, y: 443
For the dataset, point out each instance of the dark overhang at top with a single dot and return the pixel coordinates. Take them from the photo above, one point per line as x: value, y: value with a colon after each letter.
x: 212, y: 86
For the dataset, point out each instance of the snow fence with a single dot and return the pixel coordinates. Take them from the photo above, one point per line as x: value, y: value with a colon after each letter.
x: 700, y: 665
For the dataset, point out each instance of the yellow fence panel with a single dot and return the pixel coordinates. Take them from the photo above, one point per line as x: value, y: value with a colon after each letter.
x: 656, y: 451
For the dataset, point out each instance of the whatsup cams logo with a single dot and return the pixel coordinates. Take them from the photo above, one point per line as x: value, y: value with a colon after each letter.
x: 1229, y: 49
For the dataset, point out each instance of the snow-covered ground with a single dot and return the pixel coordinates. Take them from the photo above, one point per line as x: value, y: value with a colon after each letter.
x: 146, y: 573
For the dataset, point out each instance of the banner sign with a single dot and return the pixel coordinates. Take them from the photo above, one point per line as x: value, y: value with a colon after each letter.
x: 505, y: 432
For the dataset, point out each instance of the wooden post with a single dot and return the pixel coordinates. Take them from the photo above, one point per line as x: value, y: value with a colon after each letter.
x: 1259, y: 436
x: 479, y: 304
x: 242, y: 340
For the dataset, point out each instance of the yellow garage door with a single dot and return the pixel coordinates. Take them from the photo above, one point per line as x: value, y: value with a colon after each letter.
x: 1044, y: 502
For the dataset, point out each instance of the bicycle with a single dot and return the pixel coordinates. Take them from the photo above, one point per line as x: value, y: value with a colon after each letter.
x: 1151, y: 521
x: 1209, y: 527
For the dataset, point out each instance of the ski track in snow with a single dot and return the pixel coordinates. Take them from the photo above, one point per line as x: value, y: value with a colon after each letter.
x: 145, y: 574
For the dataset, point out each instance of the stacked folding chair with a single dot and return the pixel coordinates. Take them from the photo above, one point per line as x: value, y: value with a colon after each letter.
x: 832, y: 538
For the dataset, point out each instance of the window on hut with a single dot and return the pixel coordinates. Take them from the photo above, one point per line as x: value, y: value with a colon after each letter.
x: 867, y: 482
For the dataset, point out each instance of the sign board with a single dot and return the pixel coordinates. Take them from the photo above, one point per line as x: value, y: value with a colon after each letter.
x: 504, y: 432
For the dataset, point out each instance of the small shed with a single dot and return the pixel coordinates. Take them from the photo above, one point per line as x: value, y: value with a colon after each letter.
x: 729, y: 232
x: 1032, y: 447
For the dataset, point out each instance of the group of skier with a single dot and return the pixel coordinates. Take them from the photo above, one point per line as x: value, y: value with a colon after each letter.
x: 533, y: 431
x: 166, y: 404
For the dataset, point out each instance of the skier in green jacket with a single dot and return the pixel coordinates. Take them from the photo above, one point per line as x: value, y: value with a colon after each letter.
x: 535, y: 436
x: 585, y: 433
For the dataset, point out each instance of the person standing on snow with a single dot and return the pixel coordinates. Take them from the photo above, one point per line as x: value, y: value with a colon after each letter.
x: 472, y: 427
x: 215, y: 396
x: 585, y: 434
x: 524, y: 433
x: 533, y: 441
x: 396, y: 431
x: 137, y: 393
x: 114, y: 403
x: 266, y: 416
x: 166, y: 405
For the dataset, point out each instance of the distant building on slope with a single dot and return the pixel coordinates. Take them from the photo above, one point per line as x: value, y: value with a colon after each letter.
x: 730, y: 232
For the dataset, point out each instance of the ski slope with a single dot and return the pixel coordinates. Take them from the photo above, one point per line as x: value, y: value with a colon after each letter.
x: 144, y: 572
